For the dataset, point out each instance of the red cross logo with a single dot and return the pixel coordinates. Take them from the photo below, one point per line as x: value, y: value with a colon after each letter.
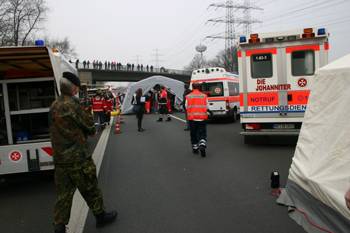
x: 15, y: 156
x: 217, y: 90
x: 302, y: 82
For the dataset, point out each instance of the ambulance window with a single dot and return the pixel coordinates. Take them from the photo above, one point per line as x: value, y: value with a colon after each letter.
x: 213, y: 89
x: 303, y: 63
x: 261, y: 65
x: 233, y: 88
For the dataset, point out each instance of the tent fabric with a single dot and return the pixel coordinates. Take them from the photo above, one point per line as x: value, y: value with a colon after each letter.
x: 319, y: 214
x: 176, y: 88
x: 321, y: 162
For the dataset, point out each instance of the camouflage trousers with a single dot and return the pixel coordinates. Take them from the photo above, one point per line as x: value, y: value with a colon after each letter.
x: 68, y: 177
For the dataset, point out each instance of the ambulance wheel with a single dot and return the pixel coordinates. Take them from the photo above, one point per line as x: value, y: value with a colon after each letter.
x: 234, y: 115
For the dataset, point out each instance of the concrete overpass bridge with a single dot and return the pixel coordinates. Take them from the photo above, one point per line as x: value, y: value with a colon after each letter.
x: 91, y: 75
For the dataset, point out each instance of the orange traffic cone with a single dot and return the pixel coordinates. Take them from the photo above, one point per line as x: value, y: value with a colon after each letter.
x: 121, y: 119
x: 117, y: 130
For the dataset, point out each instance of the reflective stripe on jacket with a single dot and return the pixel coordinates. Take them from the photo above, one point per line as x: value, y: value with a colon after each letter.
x: 196, y: 105
x: 98, y: 103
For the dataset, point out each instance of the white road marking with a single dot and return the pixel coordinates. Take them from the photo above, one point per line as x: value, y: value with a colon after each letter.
x: 178, y: 118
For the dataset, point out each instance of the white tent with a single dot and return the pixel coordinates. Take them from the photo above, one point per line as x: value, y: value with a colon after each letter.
x: 320, y: 172
x: 176, y: 88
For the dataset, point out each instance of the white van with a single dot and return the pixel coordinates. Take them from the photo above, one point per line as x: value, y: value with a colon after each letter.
x: 222, y: 89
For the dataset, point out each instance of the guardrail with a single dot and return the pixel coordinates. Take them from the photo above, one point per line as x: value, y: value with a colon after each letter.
x: 80, y: 65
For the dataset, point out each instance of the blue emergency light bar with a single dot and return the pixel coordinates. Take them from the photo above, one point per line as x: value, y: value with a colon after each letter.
x: 321, y: 31
x: 39, y: 43
x: 242, y: 39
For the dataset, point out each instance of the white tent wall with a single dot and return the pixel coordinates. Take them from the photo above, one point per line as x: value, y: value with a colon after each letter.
x: 320, y: 172
x: 176, y: 88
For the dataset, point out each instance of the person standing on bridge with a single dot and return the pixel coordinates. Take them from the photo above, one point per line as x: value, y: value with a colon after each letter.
x: 197, y: 107
x: 163, y: 100
x: 70, y: 122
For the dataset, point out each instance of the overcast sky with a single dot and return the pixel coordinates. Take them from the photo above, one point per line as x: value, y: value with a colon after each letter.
x: 136, y: 31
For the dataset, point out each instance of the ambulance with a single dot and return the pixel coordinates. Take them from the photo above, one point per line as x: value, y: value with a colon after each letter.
x: 29, y: 83
x: 276, y: 72
x: 222, y: 89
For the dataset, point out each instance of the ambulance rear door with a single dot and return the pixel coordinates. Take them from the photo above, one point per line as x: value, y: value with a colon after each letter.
x: 261, y: 63
x: 302, y: 58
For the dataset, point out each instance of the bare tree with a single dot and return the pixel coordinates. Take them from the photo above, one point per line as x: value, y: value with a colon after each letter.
x: 227, y: 59
x: 21, y: 18
x: 197, y: 62
x: 4, y: 21
x: 63, y: 46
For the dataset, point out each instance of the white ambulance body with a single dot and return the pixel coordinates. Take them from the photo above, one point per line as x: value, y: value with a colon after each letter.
x: 29, y: 83
x: 276, y: 71
x: 222, y: 89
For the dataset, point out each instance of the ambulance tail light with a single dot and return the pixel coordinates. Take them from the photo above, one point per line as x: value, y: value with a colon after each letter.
x: 227, y: 104
x: 321, y: 31
x: 254, y: 38
x: 308, y: 33
x: 252, y: 126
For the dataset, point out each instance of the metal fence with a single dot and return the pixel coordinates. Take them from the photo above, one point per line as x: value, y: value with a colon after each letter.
x: 80, y: 65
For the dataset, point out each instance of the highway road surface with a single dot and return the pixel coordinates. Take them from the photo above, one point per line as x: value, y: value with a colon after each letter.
x: 158, y: 185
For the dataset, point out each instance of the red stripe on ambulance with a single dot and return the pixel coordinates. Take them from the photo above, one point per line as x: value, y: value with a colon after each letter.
x: 254, y: 51
x: 315, y: 47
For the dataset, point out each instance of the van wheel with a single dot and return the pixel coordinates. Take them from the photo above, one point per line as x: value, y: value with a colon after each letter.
x: 234, y: 115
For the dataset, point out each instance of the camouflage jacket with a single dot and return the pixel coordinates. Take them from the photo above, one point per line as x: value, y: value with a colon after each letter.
x: 70, y: 122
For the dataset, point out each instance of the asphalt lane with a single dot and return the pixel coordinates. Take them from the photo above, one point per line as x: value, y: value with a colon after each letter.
x: 157, y: 184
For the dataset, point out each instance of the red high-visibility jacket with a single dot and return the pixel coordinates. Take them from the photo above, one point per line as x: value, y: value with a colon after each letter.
x: 98, y: 103
x: 110, y: 105
x: 196, y: 105
x: 163, y: 98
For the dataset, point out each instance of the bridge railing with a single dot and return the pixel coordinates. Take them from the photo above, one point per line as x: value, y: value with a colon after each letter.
x: 80, y: 65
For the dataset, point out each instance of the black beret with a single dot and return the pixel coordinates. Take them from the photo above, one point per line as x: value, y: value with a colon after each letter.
x: 72, y: 77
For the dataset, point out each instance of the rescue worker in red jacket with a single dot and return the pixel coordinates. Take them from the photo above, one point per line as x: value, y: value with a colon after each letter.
x: 110, y: 107
x: 197, y: 107
x: 163, y: 100
x: 99, y: 106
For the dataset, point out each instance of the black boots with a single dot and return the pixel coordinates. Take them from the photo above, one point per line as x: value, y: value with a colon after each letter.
x: 104, y: 218
x: 160, y: 119
x: 203, y: 154
x: 169, y: 119
x: 60, y: 229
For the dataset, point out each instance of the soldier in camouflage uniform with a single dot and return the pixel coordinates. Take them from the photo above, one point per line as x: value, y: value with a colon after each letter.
x: 70, y: 122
